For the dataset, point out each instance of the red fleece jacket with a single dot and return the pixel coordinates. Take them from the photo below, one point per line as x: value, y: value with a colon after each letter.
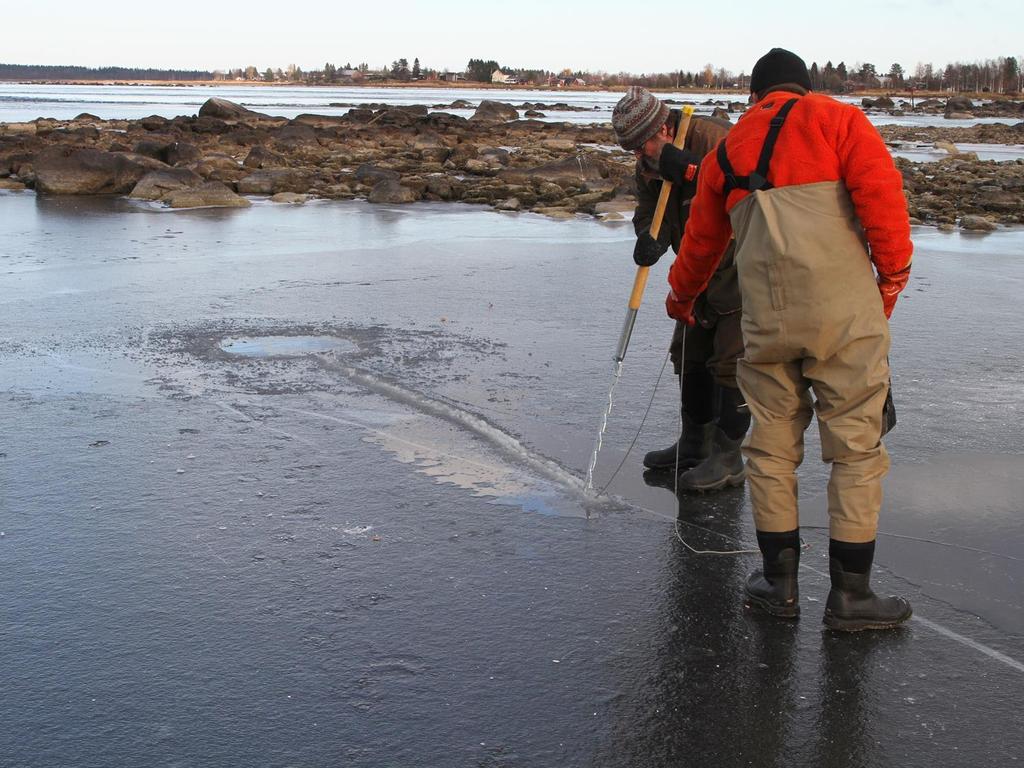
x: 821, y: 140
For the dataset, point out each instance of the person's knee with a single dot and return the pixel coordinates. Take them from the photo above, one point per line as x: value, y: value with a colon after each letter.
x: 767, y: 456
x: 852, y: 442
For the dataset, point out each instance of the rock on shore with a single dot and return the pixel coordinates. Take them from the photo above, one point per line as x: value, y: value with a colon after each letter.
x: 395, y: 155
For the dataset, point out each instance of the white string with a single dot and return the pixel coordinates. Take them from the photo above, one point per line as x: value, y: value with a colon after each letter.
x: 639, y: 429
x: 675, y: 521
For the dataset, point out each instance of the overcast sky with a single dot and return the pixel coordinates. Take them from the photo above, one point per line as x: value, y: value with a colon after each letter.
x: 653, y: 36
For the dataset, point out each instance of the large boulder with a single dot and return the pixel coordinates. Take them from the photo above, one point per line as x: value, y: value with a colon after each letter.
x: 208, y: 195
x: 494, y: 112
x: 182, y: 152
x: 245, y: 137
x: 391, y: 191
x: 482, y: 166
x: 319, y: 121
x: 882, y: 102
x: 85, y: 171
x: 153, y: 147
x: 289, y: 198
x: 359, y: 115
x: 371, y: 174
x: 154, y: 123
x: 393, y: 116
x: 573, y: 171
x: 223, y: 109
x: 219, y: 167
x: 973, y: 223
x: 156, y: 184
x: 958, y: 104
x: 428, y: 139
x: 442, y: 121
x: 295, y: 133
x: 261, y: 157
x: 274, y: 180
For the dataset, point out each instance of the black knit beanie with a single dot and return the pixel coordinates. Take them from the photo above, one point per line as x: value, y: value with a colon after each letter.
x: 776, y: 67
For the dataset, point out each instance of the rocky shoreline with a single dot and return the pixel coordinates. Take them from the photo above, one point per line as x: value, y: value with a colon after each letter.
x: 497, y: 157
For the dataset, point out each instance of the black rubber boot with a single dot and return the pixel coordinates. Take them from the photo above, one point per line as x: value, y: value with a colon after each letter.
x: 851, y: 605
x: 692, y: 447
x: 733, y: 414
x: 697, y: 408
x: 723, y: 466
x: 774, y: 588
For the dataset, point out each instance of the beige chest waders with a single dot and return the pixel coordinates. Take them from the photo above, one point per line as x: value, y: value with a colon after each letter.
x: 812, y: 323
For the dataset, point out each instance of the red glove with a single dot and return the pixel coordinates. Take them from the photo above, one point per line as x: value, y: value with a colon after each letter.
x: 890, y: 288
x: 679, y: 309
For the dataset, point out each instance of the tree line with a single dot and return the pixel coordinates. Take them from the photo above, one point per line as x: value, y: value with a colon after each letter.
x: 1000, y: 75
x: 47, y: 72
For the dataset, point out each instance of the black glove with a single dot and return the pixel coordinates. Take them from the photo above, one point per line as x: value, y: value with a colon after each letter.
x: 648, y: 250
x: 674, y: 163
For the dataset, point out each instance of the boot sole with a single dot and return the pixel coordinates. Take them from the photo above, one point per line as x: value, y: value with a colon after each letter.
x: 858, y: 625
x: 728, y: 480
x: 778, y: 611
x: 683, y: 465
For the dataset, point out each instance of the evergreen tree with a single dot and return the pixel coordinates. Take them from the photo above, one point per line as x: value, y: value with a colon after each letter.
x: 416, y: 69
x: 400, y: 69
x: 1011, y: 75
x: 868, y: 76
x: 896, y: 75
x: 480, y: 71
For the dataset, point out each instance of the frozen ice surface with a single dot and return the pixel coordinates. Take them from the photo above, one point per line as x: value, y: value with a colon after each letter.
x: 22, y: 102
x: 394, y: 534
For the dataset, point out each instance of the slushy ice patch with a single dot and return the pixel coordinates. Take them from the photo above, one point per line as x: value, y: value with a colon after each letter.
x: 285, y: 346
x: 395, y: 406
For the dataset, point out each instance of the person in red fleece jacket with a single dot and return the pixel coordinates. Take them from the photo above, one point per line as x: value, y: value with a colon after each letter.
x: 808, y: 189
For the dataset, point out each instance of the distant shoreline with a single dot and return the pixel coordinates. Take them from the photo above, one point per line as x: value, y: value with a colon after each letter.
x: 439, y: 84
x: 391, y: 84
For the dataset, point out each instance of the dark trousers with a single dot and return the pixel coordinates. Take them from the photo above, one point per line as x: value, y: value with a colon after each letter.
x: 714, y: 345
x: 712, y: 349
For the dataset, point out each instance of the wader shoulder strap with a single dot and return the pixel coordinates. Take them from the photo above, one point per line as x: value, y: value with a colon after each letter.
x: 759, y: 178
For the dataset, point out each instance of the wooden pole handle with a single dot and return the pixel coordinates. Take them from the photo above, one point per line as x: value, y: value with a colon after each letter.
x: 666, y: 186
x: 639, y: 283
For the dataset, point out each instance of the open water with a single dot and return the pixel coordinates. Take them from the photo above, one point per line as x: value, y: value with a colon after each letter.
x: 303, y: 485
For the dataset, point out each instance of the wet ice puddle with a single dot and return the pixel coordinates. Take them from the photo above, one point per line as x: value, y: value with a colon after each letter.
x: 285, y: 346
